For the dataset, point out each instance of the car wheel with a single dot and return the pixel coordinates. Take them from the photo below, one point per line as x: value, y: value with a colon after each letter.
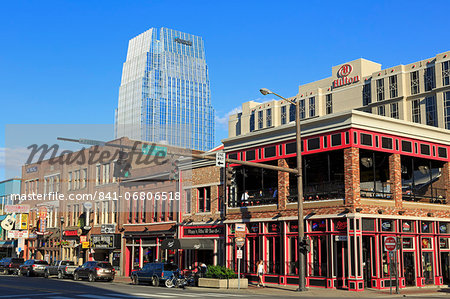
x: 60, y: 275
x: 135, y: 280
x: 91, y: 277
x: 76, y: 276
x: 46, y: 274
x: 155, y: 281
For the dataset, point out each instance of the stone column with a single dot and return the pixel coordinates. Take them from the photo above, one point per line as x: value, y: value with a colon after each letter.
x: 283, y: 185
x: 395, y: 178
x: 352, y: 176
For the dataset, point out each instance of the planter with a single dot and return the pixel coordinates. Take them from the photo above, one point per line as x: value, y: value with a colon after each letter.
x: 222, y: 283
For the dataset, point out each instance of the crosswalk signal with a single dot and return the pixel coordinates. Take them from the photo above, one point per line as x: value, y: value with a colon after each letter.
x: 305, y: 245
x: 122, y: 166
x: 174, y: 171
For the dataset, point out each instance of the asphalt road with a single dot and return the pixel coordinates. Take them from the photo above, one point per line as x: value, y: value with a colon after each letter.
x: 18, y: 287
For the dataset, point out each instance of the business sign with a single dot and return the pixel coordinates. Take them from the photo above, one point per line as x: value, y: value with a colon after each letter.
x: 340, y: 238
x: 213, y: 230
x: 318, y: 225
x: 105, y: 241
x: 42, y: 221
x: 108, y: 229
x: 183, y: 41
x: 32, y: 169
x: 70, y: 233
x: 273, y: 227
x: 340, y: 224
x: 390, y: 243
x: 343, y: 78
x: 85, y: 245
x: 17, y: 209
x: 83, y: 239
x: 253, y: 227
x: 23, y: 221
x: 16, y: 234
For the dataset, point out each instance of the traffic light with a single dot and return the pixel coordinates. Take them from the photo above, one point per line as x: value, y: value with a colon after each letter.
x: 305, y: 245
x: 230, y: 176
x: 174, y: 171
x: 122, y: 166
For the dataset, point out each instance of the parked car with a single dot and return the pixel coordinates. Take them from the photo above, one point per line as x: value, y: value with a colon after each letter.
x: 10, y: 265
x: 62, y: 269
x: 95, y: 271
x: 153, y: 273
x: 33, y: 267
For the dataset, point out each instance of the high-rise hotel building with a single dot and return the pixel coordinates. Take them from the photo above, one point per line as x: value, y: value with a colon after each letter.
x: 164, y: 95
x: 418, y: 92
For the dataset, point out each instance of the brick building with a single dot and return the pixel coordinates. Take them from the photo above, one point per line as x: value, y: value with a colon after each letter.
x: 365, y: 177
x: 123, y: 221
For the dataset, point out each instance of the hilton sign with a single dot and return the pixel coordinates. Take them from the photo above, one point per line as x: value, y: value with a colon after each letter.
x: 343, y: 73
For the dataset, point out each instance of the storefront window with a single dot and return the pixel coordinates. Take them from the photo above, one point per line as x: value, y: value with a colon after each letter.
x: 444, y: 243
x: 318, y: 265
x: 426, y: 227
x: 427, y: 243
x: 387, y: 225
x: 319, y: 225
x: 374, y: 174
x: 293, y: 256
x: 444, y: 227
x: 407, y: 226
x: 408, y: 243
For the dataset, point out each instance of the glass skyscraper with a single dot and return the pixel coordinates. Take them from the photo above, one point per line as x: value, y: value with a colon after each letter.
x: 164, y: 96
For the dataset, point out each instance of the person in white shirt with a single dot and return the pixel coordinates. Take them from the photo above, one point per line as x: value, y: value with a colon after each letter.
x: 244, y: 198
x: 260, y: 271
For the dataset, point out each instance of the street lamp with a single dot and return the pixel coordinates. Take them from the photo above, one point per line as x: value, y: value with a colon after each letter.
x: 61, y: 221
x: 301, y: 230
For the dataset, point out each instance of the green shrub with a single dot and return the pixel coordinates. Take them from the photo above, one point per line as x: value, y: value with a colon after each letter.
x: 220, y: 272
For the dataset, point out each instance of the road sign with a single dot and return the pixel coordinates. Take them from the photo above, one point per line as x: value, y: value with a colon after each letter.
x: 390, y: 243
x: 239, y: 254
x: 239, y: 241
x: 220, y: 159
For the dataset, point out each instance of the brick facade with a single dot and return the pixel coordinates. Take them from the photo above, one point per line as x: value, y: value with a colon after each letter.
x: 351, y: 176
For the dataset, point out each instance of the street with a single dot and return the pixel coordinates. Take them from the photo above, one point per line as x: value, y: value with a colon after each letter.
x: 12, y: 286
x: 20, y: 287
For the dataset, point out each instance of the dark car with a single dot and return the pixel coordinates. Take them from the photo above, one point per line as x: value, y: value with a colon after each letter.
x: 95, y: 271
x: 10, y: 265
x: 153, y: 273
x: 33, y: 267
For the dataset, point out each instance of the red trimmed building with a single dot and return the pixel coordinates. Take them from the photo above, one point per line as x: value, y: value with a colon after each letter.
x: 365, y: 177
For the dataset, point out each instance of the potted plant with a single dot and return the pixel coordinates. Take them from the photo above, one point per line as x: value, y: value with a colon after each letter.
x: 221, y: 277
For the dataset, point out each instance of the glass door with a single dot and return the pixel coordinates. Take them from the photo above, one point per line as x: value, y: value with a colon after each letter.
x: 445, y: 264
x: 427, y: 266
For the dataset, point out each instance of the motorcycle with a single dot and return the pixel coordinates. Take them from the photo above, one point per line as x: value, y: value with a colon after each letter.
x: 176, y: 280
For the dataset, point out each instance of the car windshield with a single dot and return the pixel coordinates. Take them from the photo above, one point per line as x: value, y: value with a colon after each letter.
x: 40, y: 262
x: 170, y: 267
x: 17, y: 260
x: 104, y: 265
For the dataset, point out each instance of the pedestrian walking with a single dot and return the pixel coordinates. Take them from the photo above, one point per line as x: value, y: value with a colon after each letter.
x: 261, y: 272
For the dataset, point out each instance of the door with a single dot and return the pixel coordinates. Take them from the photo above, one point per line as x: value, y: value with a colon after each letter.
x: 427, y: 264
x: 341, y: 262
x: 445, y: 263
x: 367, y: 263
x: 409, y: 268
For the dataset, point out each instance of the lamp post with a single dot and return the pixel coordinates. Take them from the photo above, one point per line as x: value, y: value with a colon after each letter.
x: 61, y: 221
x: 301, y: 230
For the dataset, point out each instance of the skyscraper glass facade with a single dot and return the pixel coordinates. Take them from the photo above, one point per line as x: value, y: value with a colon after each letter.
x: 164, y: 95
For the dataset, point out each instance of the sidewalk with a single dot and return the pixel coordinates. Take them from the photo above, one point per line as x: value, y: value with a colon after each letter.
x: 288, y: 291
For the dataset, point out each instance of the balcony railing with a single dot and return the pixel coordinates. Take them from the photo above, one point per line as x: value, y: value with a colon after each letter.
x: 255, y: 198
x: 437, y: 196
x: 316, y: 192
x: 382, y: 190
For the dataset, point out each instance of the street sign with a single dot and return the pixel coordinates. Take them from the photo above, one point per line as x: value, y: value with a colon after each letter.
x: 154, y: 150
x: 17, y: 209
x: 239, y: 241
x: 220, y: 159
x: 240, y: 227
x: 239, y: 230
x: 390, y: 243
x: 239, y: 254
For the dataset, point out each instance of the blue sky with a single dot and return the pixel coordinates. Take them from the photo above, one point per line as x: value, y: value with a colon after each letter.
x: 62, y: 60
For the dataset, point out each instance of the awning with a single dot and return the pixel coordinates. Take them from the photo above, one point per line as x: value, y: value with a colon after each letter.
x: 7, y: 244
x: 205, y: 244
